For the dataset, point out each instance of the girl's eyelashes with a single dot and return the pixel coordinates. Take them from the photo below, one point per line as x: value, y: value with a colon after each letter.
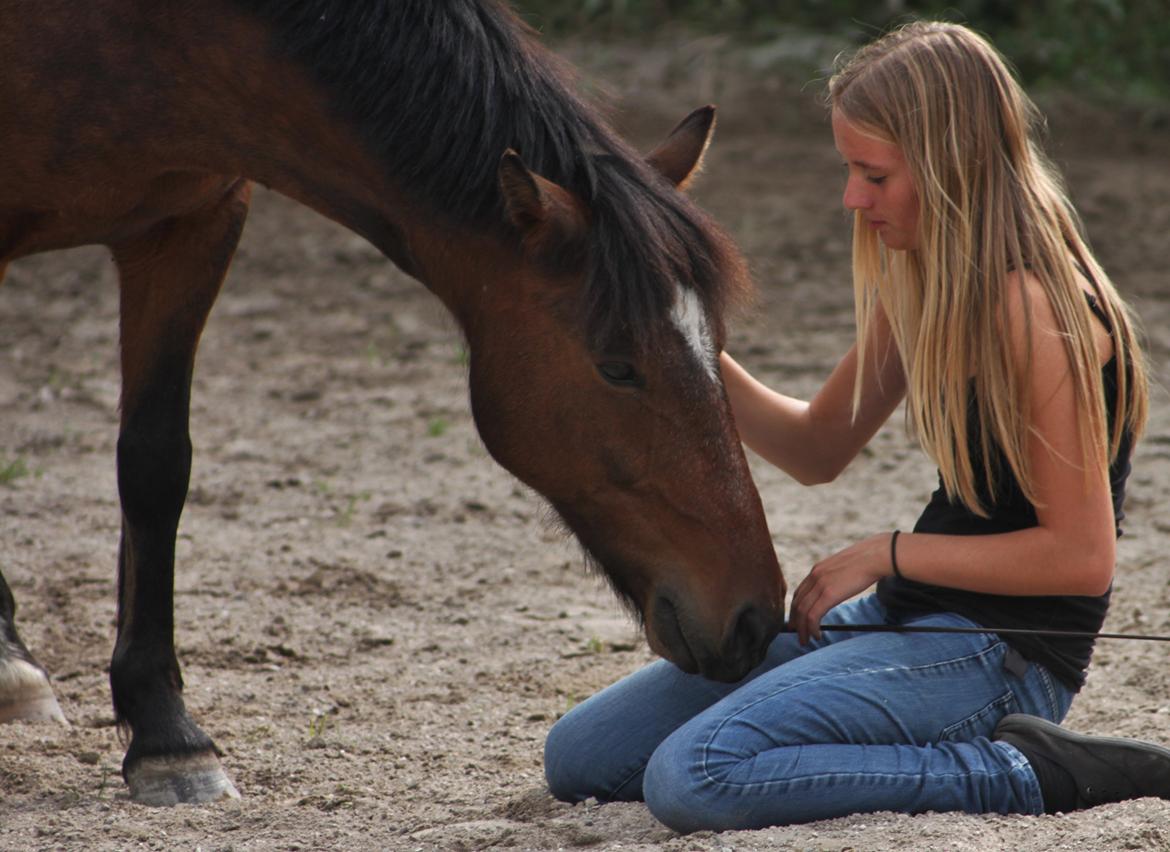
x: 876, y: 180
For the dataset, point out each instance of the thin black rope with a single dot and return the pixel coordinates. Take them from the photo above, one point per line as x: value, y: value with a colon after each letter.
x: 1003, y: 631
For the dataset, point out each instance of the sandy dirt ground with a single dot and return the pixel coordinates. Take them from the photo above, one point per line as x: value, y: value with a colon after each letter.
x: 376, y: 624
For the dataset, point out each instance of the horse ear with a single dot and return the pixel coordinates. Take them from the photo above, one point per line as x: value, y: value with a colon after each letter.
x: 550, y: 218
x: 680, y: 157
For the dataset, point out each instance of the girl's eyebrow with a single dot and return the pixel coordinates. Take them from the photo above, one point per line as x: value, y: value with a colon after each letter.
x: 863, y: 165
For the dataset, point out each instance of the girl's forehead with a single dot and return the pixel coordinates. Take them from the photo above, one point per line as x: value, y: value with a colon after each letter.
x: 860, y: 147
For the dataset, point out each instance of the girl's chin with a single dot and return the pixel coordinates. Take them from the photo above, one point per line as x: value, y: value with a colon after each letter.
x: 891, y: 241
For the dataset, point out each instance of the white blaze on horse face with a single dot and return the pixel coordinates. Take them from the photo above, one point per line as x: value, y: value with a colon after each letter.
x: 690, y: 319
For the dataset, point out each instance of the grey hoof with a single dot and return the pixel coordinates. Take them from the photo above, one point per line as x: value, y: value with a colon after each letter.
x: 192, y: 779
x: 25, y: 694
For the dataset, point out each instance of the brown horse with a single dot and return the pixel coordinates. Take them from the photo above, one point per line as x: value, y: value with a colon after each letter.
x: 590, y: 290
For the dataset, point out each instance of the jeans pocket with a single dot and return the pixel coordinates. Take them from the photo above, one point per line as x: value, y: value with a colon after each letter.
x: 982, y: 722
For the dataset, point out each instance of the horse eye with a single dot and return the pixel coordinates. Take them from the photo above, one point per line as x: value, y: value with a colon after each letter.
x: 619, y: 373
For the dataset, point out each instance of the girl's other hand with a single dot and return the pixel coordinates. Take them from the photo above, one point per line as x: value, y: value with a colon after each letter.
x: 836, y: 579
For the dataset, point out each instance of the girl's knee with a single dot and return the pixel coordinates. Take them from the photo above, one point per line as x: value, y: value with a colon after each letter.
x: 585, y: 756
x: 566, y: 760
x: 695, y: 781
x: 676, y: 792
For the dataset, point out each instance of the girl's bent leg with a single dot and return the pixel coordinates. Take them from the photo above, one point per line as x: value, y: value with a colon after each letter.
x: 976, y: 777
x: 600, y: 747
x: 881, y: 722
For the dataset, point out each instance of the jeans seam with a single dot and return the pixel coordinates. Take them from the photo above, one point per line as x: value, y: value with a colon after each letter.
x: 707, y: 745
x: 823, y: 776
x: 629, y: 777
x: 1045, y: 679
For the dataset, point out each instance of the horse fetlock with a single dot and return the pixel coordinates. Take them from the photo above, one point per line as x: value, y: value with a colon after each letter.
x: 163, y: 781
x: 144, y: 670
x: 159, y: 727
x: 25, y: 693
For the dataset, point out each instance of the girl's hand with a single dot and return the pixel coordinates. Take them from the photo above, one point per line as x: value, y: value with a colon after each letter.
x: 835, y: 580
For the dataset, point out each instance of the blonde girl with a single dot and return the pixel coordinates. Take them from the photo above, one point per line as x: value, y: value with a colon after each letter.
x: 980, y: 304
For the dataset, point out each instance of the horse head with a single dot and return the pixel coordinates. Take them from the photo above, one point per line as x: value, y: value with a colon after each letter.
x: 595, y: 380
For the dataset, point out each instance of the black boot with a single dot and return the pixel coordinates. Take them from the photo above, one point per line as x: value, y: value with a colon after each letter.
x: 1076, y: 771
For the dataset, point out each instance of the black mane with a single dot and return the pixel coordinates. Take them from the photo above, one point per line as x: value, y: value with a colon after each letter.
x: 441, y: 88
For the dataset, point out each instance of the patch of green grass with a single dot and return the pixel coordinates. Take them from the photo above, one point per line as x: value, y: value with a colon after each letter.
x: 345, y: 516
x: 12, y: 469
x: 437, y: 427
x: 318, y: 724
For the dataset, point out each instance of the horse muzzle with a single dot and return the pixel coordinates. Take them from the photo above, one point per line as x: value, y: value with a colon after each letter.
x: 727, y: 658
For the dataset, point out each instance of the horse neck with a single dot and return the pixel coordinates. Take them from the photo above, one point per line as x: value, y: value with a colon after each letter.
x: 269, y: 120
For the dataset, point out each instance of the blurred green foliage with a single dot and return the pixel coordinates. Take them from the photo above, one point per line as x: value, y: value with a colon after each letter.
x: 1109, y: 47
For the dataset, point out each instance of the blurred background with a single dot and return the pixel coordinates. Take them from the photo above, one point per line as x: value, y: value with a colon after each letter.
x: 1103, y: 49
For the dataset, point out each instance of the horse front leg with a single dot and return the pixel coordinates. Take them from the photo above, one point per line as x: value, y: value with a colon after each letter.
x: 170, y: 278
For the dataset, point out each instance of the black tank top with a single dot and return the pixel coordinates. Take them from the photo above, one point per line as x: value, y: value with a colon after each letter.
x: 1009, y: 510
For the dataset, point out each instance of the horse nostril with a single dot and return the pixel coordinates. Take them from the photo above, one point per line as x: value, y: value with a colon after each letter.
x: 749, y: 637
x: 744, y: 643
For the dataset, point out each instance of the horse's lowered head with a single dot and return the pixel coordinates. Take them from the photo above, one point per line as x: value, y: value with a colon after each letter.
x: 595, y: 380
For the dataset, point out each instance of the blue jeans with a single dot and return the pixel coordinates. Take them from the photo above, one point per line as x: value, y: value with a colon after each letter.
x: 855, y: 722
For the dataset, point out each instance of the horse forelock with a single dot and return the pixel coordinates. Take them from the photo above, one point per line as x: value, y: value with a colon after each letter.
x: 651, y: 248
x: 439, y: 90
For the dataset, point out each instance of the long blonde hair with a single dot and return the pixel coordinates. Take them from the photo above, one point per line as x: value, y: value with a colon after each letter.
x: 990, y: 202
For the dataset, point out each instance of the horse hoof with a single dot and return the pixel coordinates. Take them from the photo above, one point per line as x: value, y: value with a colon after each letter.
x: 192, y: 779
x: 25, y: 694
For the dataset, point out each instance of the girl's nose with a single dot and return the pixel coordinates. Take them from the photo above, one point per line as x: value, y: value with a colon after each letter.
x: 855, y: 197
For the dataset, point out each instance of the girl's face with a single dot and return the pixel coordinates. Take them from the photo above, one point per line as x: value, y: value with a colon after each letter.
x: 879, y: 185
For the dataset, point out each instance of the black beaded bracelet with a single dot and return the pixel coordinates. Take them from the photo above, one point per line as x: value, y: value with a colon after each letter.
x: 894, y: 554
